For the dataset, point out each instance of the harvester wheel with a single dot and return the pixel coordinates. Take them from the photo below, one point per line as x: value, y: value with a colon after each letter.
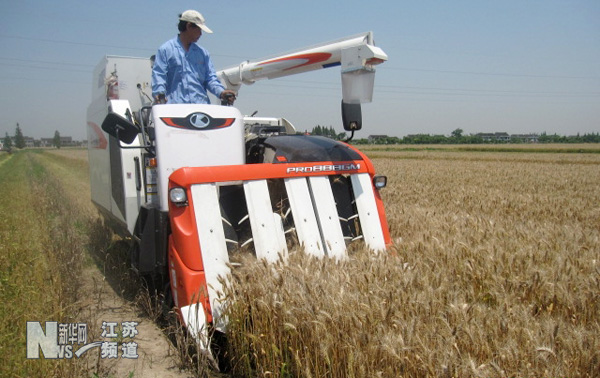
x: 167, y: 304
x: 134, y: 254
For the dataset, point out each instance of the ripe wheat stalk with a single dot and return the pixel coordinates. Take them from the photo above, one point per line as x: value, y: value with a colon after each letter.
x: 495, y: 272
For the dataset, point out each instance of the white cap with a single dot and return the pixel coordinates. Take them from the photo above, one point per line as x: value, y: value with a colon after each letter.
x: 195, y: 18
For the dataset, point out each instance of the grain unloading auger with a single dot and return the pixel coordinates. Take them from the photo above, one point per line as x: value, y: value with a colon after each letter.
x: 190, y: 183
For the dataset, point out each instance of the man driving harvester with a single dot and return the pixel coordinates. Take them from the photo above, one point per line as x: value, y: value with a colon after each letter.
x: 183, y: 71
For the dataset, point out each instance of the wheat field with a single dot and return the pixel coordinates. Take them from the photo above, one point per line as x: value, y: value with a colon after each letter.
x: 495, y: 272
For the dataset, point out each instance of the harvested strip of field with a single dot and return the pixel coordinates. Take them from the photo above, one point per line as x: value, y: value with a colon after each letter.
x: 60, y: 263
x: 496, y: 272
x: 41, y: 257
x: 4, y: 157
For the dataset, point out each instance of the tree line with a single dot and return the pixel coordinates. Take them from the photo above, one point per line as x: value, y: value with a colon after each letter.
x: 18, y: 141
x: 456, y: 137
x: 328, y: 132
x: 475, y: 139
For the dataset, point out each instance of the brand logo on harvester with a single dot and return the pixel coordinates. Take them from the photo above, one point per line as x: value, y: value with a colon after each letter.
x: 60, y: 340
x: 324, y: 168
x: 199, y: 120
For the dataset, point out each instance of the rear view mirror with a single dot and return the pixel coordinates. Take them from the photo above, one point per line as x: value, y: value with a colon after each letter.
x: 120, y: 127
x: 351, y: 116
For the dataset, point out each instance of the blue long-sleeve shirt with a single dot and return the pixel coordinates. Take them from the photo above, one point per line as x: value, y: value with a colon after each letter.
x: 184, y: 76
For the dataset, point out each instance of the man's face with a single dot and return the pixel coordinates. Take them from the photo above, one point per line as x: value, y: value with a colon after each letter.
x: 195, y: 32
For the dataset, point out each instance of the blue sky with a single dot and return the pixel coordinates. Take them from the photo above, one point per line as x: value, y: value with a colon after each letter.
x: 482, y: 66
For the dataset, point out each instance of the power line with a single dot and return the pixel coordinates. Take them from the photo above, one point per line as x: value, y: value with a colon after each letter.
x: 394, y: 89
x: 153, y: 50
x: 513, y: 95
x: 45, y: 68
x: 386, y: 67
x: 13, y: 78
x: 45, y: 62
x: 75, y: 43
x: 490, y: 73
x: 440, y: 91
x: 390, y: 88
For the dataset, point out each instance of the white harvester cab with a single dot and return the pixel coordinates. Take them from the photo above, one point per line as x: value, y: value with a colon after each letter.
x: 191, y: 183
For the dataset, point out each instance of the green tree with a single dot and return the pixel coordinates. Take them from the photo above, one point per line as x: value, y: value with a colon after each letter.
x: 457, y: 133
x: 472, y: 139
x: 56, y: 140
x: 331, y: 132
x: 19, y: 138
x: 325, y: 131
x: 7, y: 143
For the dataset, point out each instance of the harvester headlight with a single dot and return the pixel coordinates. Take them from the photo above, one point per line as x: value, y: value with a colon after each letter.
x: 380, y: 181
x: 178, y: 196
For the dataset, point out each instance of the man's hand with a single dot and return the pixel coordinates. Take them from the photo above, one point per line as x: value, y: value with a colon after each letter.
x: 227, y: 97
x: 160, y: 99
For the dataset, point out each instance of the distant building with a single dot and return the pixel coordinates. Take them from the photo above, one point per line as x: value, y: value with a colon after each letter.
x: 65, y: 141
x: 494, y: 137
x: 526, y: 138
x: 486, y: 137
x: 504, y: 137
x: 29, y: 142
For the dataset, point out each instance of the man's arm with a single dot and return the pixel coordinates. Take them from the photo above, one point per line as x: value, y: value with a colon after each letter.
x: 211, y: 81
x: 159, y: 76
x: 214, y: 85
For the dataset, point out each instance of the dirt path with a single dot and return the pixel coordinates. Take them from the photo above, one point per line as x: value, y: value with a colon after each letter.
x: 104, y: 293
x: 156, y: 355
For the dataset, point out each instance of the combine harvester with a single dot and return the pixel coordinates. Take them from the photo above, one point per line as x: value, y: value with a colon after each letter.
x: 191, y: 183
